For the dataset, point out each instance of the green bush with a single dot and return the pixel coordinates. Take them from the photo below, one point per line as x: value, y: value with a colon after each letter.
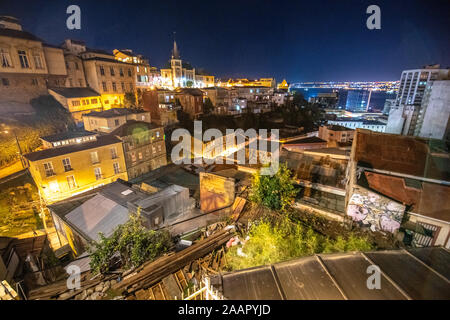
x: 132, y: 242
x: 271, y: 242
x: 275, y: 192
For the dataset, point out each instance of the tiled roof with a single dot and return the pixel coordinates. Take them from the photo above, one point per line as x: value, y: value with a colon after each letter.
x: 114, y: 112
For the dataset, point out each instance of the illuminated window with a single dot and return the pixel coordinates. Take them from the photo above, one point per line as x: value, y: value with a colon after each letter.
x: 98, y: 173
x: 48, y: 168
x: 94, y: 101
x: 66, y: 164
x: 23, y: 59
x: 5, y: 58
x: 71, y: 182
x: 54, y: 186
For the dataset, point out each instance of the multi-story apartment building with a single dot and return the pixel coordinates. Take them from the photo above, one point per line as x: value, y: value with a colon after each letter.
x: 27, y: 64
x: 78, y: 101
x: 180, y: 74
x: 433, y: 120
x: 109, y: 120
x: 143, y: 145
x: 336, y: 133
x: 144, y: 76
x: 76, y: 164
x: 403, y: 116
x: 104, y: 73
x: 162, y: 106
x: 191, y: 101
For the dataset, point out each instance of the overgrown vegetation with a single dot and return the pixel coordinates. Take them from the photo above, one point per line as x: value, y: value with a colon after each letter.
x: 50, y: 117
x: 131, y: 243
x: 275, y: 192
x: 274, y: 241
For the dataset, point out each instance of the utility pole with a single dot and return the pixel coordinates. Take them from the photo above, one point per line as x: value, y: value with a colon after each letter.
x: 20, y: 149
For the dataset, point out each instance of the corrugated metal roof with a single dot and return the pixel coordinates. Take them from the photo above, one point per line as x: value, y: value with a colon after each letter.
x: 420, y: 273
x: 98, y: 214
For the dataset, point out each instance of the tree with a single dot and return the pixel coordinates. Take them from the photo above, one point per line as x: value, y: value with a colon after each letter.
x: 275, y: 192
x: 132, y: 243
x: 208, y: 106
x: 189, y: 84
x: 129, y: 100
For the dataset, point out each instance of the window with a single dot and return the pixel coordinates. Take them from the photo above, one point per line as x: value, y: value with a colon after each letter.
x: 94, y: 157
x: 71, y: 182
x: 104, y: 86
x: 140, y: 155
x: 5, y: 58
x: 66, y: 164
x: 98, y: 173
x: 116, y: 168
x: 113, y: 153
x: 5, y: 82
x: 111, y: 70
x: 54, y: 186
x: 133, y: 157
x: 34, y: 82
x: 123, y: 86
x: 116, y: 122
x: 76, y: 66
x: 75, y: 103
x: 114, y: 86
x: 157, y: 134
x: 48, y: 168
x: 121, y: 72
x: 37, y: 61
x: 129, y: 72
x: 94, y: 101
x: 102, y: 70
x: 23, y: 59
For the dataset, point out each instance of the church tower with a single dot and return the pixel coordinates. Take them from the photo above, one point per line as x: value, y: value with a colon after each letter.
x: 176, y: 65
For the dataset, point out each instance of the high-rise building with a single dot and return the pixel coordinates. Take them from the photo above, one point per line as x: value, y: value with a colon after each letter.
x: 404, y: 115
x: 433, y: 120
x: 358, y: 100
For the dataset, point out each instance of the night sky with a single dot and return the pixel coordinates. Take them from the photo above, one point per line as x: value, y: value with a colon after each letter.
x: 298, y: 40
